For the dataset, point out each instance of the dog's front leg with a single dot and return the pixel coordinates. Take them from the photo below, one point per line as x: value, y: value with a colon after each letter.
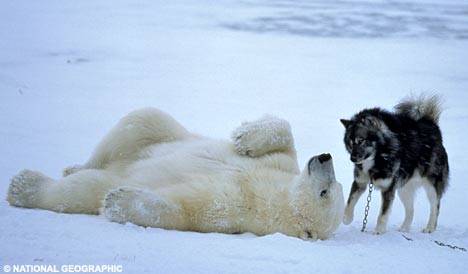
x: 388, y: 195
x: 357, y: 189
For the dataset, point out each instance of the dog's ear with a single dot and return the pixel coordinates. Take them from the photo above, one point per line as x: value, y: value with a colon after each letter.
x: 345, y: 122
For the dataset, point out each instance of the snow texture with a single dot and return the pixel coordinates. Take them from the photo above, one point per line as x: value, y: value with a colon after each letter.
x: 70, y: 69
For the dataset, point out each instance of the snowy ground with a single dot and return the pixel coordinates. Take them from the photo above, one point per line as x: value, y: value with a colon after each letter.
x: 70, y: 69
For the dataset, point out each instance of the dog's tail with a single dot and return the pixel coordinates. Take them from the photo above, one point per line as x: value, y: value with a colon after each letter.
x: 423, y: 106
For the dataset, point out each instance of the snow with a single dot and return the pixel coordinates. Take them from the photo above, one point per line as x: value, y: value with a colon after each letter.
x: 70, y: 69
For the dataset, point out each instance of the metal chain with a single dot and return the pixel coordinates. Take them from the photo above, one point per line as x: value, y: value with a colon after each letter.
x: 454, y: 247
x: 439, y: 243
x: 366, y: 213
x: 366, y: 210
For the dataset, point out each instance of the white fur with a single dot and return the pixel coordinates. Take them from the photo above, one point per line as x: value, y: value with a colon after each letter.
x: 150, y: 171
x: 432, y: 197
x: 367, y: 164
x: 383, y: 183
x: 407, y: 195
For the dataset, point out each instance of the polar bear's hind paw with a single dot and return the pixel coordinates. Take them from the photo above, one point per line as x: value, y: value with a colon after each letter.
x: 25, y: 188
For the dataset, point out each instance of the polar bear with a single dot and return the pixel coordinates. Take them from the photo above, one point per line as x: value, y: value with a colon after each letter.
x: 150, y: 171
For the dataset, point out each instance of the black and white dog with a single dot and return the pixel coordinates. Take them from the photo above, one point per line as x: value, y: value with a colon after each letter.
x: 398, y: 150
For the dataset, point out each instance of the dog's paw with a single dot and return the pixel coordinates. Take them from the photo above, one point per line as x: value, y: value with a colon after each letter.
x: 25, y: 188
x: 348, y: 217
x: 404, y: 228
x: 71, y: 169
x: 429, y: 229
x: 379, y: 230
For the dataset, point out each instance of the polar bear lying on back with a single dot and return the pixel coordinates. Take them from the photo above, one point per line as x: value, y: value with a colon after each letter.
x: 151, y: 171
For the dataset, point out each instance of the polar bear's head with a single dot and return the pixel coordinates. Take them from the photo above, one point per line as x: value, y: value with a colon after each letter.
x: 318, y: 198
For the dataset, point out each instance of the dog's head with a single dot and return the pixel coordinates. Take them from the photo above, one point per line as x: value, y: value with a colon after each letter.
x: 362, y: 136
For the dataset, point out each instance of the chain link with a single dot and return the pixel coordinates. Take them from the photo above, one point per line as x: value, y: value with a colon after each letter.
x: 366, y: 210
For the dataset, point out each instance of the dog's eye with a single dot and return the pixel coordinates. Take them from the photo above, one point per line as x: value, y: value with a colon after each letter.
x: 359, y: 141
x: 323, y: 193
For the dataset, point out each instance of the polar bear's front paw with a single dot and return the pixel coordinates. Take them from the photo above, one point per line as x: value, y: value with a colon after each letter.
x: 265, y: 135
x: 252, y: 138
x: 118, y: 204
x: 246, y: 138
x: 25, y: 188
x: 141, y: 207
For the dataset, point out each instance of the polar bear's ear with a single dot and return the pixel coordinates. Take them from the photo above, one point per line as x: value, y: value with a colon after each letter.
x: 321, y: 167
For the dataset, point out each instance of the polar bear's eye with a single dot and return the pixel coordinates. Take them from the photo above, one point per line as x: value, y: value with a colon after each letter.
x: 323, y: 193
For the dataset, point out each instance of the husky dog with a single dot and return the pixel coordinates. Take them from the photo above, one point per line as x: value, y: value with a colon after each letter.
x: 400, y: 151
x: 151, y: 171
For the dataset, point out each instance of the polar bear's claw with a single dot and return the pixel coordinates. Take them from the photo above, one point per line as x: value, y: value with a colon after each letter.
x: 245, y: 139
x: 71, y: 169
x: 241, y: 145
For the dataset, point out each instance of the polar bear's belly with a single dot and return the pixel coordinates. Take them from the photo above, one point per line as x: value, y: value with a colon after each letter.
x: 181, y: 162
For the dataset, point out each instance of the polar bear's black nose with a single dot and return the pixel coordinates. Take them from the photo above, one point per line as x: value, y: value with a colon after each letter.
x: 322, y: 166
x: 324, y: 157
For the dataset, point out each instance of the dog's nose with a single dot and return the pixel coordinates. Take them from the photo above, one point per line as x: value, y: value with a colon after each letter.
x: 353, y: 158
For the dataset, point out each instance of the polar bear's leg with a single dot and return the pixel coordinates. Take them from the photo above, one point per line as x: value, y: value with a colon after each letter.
x: 133, y: 133
x: 141, y: 207
x: 81, y: 192
x: 196, y: 209
x: 263, y: 136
